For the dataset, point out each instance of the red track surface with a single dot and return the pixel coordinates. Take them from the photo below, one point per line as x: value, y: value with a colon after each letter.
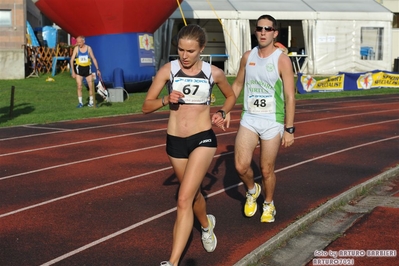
x: 102, y: 192
x: 374, y: 237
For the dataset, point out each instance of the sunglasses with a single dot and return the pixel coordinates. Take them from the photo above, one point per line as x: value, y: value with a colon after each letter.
x: 268, y: 29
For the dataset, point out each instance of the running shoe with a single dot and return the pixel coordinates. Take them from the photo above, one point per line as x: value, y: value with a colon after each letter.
x: 79, y: 105
x: 250, y: 205
x: 209, y: 240
x: 269, y: 211
x: 166, y: 263
x: 90, y: 105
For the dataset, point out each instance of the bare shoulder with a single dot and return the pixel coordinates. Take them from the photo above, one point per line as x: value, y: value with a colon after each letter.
x: 244, y: 57
x: 165, y: 67
x: 217, y: 73
x: 75, y: 50
x: 246, y: 54
x: 285, y: 59
x: 164, y: 71
x: 216, y: 70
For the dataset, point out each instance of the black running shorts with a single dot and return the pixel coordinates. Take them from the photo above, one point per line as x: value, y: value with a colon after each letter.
x: 83, y: 71
x: 178, y: 147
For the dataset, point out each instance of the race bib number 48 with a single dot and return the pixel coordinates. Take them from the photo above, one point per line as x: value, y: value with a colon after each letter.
x: 258, y: 104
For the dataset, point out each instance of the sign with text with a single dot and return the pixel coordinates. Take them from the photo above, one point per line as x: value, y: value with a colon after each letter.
x: 146, y: 49
x: 348, y: 81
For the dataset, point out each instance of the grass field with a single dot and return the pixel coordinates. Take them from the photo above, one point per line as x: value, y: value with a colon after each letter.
x: 37, y: 101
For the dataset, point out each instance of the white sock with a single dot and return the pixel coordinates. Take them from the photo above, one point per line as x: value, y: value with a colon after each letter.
x: 269, y: 202
x: 91, y: 99
x: 252, y: 191
x: 80, y: 100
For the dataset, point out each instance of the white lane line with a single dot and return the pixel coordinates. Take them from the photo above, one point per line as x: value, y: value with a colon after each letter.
x: 117, y: 233
x: 81, y: 142
x: 166, y: 118
x: 353, y: 127
x: 48, y: 128
x: 322, y: 101
x: 81, y: 161
x: 340, y: 108
x: 160, y: 145
x: 133, y: 177
x: 341, y: 116
x: 148, y: 131
x: 99, y: 241
x: 83, y: 191
x: 84, y: 128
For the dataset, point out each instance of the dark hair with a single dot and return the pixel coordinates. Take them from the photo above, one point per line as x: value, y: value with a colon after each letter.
x: 268, y: 17
x: 193, y: 32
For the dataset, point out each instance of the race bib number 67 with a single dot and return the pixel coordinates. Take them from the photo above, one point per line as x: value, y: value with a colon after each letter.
x: 195, y: 90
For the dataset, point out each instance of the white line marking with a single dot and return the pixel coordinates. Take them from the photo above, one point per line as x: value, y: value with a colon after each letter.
x: 81, y: 142
x: 322, y: 101
x: 144, y: 132
x: 99, y: 241
x: 341, y: 116
x: 48, y: 128
x: 81, y: 161
x: 117, y: 233
x: 84, y: 128
x: 83, y: 191
x: 336, y: 108
x: 160, y: 145
x: 298, y: 105
x: 167, y: 168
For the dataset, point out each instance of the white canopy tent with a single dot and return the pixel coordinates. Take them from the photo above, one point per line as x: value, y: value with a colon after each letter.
x: 338, y: 35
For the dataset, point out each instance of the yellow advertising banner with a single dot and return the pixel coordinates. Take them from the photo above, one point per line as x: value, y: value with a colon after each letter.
x: 378, y: 80
x: 348, y: 81
x: 333, y: 83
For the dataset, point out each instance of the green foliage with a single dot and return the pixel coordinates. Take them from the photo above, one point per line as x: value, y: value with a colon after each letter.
x: 37, y: 101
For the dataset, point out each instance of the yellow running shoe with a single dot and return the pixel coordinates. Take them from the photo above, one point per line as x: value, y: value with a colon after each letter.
x: 250, y: 205
x: 269, y: 211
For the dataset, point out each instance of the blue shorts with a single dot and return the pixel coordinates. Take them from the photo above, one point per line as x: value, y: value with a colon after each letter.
x: 178, y: 147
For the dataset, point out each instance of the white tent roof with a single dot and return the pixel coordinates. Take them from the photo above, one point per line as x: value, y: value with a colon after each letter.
x: 284, y: 9
x: 332, y: 29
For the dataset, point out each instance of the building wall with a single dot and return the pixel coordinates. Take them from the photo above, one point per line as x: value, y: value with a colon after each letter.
x: 395, y: 44
x: 393, y: 5
x: 33, y: 14
x: 12, y: 40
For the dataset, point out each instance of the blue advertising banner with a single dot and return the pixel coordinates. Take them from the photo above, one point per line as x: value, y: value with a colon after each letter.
x: 348, y: 81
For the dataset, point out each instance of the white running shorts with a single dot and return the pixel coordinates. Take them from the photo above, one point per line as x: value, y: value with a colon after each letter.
x: 265, y: 128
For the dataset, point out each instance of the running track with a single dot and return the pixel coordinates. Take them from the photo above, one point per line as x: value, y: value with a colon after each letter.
x: 102, y: 192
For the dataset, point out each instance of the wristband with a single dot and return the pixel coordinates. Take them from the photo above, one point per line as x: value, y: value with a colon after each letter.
x: 223, y: 113
x: 290, y: 130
